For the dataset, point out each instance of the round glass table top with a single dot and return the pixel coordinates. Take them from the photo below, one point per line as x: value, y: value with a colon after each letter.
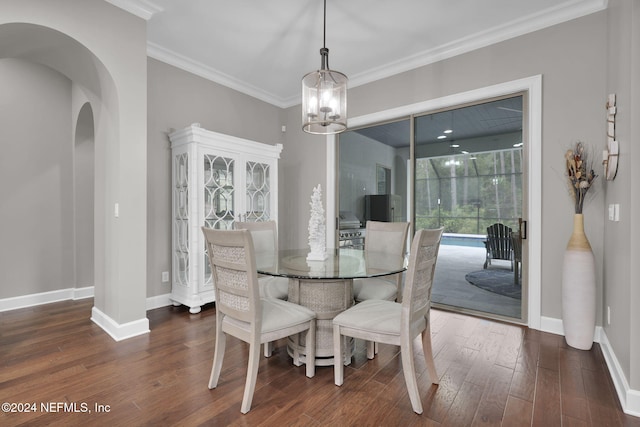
x: 340, y: 264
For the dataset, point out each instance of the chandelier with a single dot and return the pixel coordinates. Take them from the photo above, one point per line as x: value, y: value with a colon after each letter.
x: 324, y: 95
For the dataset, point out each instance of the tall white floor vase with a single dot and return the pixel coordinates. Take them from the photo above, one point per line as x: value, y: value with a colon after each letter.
x: 579, y: 289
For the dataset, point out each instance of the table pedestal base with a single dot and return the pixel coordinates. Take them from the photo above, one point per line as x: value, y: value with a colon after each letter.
x: 327, y: 298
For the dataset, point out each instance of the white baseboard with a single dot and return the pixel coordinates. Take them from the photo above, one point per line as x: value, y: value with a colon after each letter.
x: 554, y: 326
x: 118, y: 331
x: 24, y: 301
x: 158, y: 301
x: 629, y: 398
x: 551, y: 325
x: 31, y: 300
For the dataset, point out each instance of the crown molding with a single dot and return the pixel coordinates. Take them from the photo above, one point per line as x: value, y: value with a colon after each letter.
x: 527, y: 24
x: 187, y: 64
x: 141, y: 8
x: 524, y: 25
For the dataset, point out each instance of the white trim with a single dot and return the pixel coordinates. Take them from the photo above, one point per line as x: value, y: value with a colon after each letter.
x: 82, y: 293
x: 629, y: 398
x: 555, y: 326
x: 141, y: 8
x: 31, y: 300
x: 25, y: 301
x: 563, y: 12
x: 551, y: 325
x: 159, y: 301
x: 331, y: 189
x: 118, y: 331
x: 558, y: 14
x: 178, y: 60
x: 532, y: 85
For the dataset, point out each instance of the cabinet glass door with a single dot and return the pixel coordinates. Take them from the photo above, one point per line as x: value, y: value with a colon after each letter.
x: 219, y: 192
x: 258, y: 192
x: 219, y: 200
x: 181, y: 219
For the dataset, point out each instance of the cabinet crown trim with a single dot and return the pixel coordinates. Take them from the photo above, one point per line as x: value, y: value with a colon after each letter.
x: 194, y: 134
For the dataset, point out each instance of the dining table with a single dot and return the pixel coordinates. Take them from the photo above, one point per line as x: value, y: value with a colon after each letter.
x: 325, y: 286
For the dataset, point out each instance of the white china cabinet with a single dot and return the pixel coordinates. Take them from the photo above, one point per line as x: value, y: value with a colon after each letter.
x: 216, y: 179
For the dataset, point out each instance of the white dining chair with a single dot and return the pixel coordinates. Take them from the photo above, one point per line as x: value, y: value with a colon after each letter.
x: 389, y: 238
x: 265, y: 239
x: 396, y: 323
x: 241, y: 312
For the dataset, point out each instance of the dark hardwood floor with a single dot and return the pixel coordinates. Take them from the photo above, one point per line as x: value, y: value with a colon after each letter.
x: 491, y: 373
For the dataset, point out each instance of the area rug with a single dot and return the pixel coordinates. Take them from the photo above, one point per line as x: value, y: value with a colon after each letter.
x: 496, y: 281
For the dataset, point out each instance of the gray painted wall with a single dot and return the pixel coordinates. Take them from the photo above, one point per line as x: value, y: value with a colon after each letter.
x: 36, y: 197
x: 359, y: 157
x: 102, y: 50
x: 177, y: 99
x: 621, y: 268
x: 83, y: 182
x: 570, y: 58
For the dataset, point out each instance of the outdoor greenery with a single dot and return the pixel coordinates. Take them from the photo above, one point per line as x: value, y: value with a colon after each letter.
x: 467, y: 193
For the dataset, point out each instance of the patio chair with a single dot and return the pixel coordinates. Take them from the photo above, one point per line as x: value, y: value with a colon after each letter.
x: 498, y: 244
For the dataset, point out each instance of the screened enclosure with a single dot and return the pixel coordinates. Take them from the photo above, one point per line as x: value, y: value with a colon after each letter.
x: 466, y: 193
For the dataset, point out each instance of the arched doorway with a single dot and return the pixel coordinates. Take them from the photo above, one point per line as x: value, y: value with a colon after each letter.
x: 83, y: 189
x: 119, y: 254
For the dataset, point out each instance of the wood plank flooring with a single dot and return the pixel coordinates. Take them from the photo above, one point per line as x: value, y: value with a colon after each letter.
x: 491, y: 373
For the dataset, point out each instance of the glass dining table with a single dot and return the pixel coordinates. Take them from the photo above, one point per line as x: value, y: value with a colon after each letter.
x: 326, y: 287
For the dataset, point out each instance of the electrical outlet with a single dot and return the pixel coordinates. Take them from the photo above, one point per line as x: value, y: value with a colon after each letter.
x: 165, y: 276
x: 614, y: 212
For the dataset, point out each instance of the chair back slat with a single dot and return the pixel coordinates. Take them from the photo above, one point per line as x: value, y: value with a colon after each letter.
x: 233, y: 267
x: 387, y: 237
x: 416, y: 300
x: 263, y: 233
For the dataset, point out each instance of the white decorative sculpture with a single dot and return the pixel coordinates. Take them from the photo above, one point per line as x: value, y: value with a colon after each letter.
x: 317, y: 228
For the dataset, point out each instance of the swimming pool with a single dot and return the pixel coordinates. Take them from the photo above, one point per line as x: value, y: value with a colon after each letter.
x: 472, y: 240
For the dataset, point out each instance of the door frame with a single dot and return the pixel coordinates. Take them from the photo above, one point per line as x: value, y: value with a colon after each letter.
x: 533, y: 152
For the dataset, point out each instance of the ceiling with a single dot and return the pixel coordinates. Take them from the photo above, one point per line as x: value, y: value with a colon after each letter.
x: 476, y: 128
x: 263, y: 48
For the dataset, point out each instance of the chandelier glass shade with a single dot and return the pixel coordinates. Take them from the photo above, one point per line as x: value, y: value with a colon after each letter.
x: 324, y: 97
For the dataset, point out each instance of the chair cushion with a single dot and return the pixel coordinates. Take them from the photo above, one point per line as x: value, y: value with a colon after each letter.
x: 375, y: 316
x: 278, y: 314
x: 274, y: 287
x: 374, y: 288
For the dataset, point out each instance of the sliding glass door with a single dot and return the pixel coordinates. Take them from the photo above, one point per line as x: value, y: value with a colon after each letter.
x: 462, y: 169
x: 468, y: 177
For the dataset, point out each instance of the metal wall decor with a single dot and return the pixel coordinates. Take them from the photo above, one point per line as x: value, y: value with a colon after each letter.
x: 610, y: 155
